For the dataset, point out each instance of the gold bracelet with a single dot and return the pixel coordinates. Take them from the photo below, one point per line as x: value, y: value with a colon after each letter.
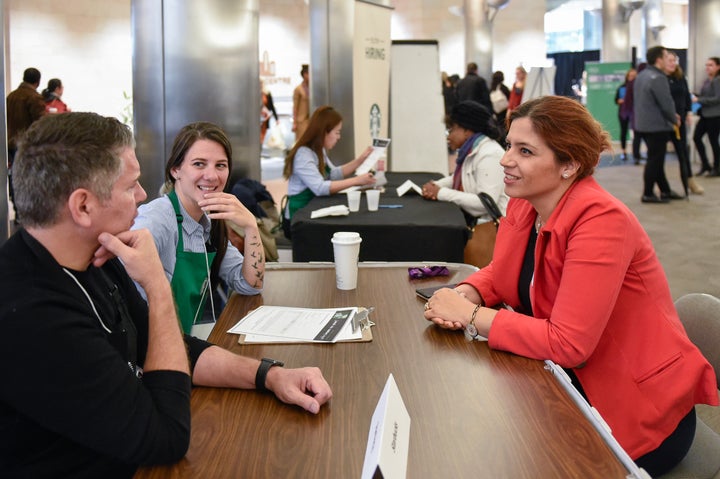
x: 471, y: 329
x: 474, y: 313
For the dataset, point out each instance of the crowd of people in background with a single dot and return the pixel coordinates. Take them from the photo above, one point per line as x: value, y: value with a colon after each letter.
x: 656, y: 103
x: 24, y: 106
x: 497, y: 98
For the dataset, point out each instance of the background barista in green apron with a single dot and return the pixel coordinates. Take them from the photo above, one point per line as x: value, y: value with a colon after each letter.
x: 308, y: 168
x: 195, y: 224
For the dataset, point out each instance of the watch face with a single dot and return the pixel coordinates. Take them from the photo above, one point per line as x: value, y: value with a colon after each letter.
x: 472, y: 330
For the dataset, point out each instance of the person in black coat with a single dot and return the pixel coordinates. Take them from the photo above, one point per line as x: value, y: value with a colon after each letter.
x: 473, y: 87
x: 683, y: 106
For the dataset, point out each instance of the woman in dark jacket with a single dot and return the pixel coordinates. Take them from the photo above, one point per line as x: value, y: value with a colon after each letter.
x: 625, y: 108
x: 683, y: 106
x: 709, y: 99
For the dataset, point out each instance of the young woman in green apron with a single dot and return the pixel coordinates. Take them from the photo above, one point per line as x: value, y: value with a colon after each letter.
x: 308, y: 168
x: 195, y: 226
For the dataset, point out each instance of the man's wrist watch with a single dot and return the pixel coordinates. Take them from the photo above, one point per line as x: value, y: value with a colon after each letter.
x: 261, y: 375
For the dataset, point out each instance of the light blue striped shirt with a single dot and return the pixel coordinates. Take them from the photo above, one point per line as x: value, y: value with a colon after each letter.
x: 159, y: 217
x: 305, y: 174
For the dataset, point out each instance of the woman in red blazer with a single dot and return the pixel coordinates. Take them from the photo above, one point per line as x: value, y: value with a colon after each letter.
x: 585, y: 288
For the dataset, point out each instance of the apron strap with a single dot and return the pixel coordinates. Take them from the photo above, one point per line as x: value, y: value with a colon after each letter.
x: 178, y: 215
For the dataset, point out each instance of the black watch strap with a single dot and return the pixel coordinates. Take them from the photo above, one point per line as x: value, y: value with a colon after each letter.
x: 261, y: 375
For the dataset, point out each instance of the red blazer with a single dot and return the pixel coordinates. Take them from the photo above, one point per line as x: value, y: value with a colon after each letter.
x: 602, y: 306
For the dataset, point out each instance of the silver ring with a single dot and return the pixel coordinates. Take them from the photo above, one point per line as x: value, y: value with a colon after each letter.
x: 427, y: 306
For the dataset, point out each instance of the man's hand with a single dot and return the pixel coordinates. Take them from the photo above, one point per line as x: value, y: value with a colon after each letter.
x: 137, y: 251
x: 304, y: 387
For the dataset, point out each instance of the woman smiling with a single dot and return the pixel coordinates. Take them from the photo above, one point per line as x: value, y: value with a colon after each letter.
x: 194, y: 225
x: 585, y: 288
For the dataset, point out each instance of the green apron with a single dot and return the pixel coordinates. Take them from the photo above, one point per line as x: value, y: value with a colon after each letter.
x: 295, y: 202
x: 190, y: 279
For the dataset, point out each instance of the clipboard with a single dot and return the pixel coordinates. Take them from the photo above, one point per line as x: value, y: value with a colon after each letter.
x: 366, y: 337
x: 338, y: 319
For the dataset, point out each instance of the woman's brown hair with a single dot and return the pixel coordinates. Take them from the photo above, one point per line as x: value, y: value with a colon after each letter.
x: 716, y: 60
x: 322, y: 121
x: 184, y: 140
x: 567, y: 128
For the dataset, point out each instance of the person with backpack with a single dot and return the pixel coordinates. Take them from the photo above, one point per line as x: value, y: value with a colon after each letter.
x: 499, y: 97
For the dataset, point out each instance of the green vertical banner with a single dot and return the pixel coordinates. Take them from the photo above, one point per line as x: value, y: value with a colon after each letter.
x: 603, y: 80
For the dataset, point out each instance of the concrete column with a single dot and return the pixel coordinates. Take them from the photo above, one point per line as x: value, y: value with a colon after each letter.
x: 478, y: 36
x: 332, y: 80
x: 654, y: 22
x: 331, y: 64
x: 615, y: 32
x: 703, y: 21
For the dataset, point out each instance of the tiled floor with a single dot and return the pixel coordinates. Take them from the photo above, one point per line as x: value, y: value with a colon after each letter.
x: 686, y: 234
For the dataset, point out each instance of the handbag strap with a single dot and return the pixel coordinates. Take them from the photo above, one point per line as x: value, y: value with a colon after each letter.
x: 491, y: 207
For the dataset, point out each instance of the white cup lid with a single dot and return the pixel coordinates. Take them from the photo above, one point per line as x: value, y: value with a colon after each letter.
x: 349, y: 237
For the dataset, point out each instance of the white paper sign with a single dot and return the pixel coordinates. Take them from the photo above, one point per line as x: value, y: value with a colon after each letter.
x: 407, y: 186
x: 389, y: 436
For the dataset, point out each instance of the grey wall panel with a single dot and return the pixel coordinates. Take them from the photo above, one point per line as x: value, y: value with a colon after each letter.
x: 4, y: 203
x: 148, y: 92
x: 331, y: 69
x: 212, y: 73
x: 203, y: 67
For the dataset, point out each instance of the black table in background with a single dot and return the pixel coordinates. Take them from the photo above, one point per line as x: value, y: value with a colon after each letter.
x: 421, y: 230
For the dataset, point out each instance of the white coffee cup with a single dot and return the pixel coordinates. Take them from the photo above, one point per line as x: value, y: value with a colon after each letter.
x: 373, y: 199
x: 354, y: 200
x: 346, y: 248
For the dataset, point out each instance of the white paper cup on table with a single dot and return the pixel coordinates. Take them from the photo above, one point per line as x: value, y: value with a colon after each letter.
x: 373, y: 199
x: 346, y: 248
x: 354, y: 200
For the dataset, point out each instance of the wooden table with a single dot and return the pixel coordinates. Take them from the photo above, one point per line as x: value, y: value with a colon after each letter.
x: 475, y: 412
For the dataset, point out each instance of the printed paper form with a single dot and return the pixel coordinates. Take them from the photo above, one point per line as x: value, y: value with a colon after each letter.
x: 282, y: 323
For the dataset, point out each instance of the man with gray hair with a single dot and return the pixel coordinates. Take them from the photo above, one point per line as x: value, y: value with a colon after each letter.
x: 98, y: 379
